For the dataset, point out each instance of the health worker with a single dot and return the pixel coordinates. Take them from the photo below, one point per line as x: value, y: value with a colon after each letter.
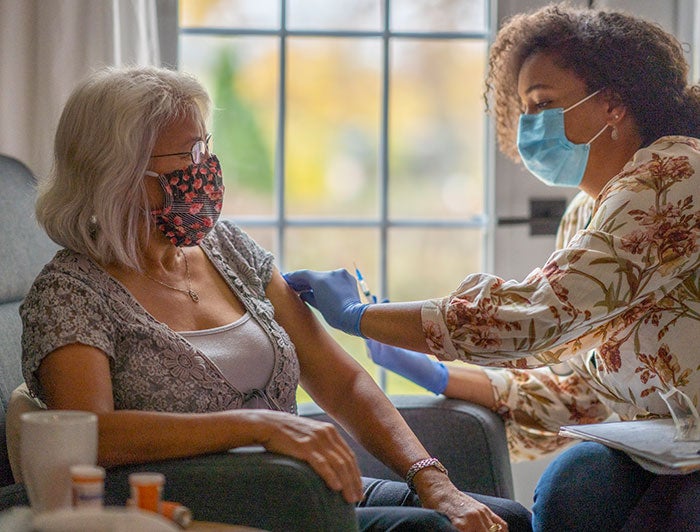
x: 598, y: 100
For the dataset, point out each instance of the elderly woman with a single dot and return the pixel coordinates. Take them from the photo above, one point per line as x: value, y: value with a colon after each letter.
x: 600, y: 101
x: 178, y: 330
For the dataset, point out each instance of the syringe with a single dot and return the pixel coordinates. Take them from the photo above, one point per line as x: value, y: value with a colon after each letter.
x: 363, y: 286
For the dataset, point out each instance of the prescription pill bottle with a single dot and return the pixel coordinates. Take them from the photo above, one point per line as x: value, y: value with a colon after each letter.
x: 178, y: 513
x: 87, y: 485
x: 146, y: 490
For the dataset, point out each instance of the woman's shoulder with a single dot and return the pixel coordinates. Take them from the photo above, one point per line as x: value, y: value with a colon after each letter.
x: 66, y: 273
x: 69, y: 264
x: 671, y: 161
x: 671, y: 146
x: 238, y: 249
x: 229, y: 236
x: 226, y: 230
x: 680, y: 141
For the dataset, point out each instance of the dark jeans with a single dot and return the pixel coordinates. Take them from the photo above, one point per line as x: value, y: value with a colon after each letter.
x: 391, y: 506
x: 590, y: 487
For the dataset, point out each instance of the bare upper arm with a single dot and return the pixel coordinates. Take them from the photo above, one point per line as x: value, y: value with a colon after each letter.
x: 295, y: 317
x: 323, y: 362
x: 77, y: 377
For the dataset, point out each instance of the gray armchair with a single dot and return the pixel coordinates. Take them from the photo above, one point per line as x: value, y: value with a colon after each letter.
x: 468, y: 439
x: 246, y: 486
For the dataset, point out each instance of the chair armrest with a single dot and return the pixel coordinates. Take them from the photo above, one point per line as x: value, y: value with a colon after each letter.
x: 13, y: 495
x: 469, y: 440
x: 246, y: 486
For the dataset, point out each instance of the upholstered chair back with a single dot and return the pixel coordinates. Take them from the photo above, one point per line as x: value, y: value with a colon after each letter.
x: 24, y: 249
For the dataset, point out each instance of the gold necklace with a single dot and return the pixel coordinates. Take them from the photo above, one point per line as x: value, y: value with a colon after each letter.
x: 194, y: 296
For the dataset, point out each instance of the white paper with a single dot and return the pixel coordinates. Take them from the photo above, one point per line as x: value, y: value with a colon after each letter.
x: 652, y: 439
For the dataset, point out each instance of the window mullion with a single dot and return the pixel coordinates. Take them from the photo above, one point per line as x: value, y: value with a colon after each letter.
x: 280, y: 149
x: 384, y: 170
x: 384, y: 154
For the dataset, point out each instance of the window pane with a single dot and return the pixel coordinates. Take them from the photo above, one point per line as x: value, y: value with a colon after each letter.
x: 329, y: 248
x: 332, y: 126
x: 230, y: 13
x: 438, y: 15
x: 326, y: 248
x: 334, y: 14
x: 424, y: 264
x: 428, y: 263
x: 333, y: 111
x: 437, y: 123
x: 241, y: 75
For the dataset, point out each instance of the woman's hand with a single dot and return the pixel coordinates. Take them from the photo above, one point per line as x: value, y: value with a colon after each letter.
x: 317, y: 443
x: 466, y: 514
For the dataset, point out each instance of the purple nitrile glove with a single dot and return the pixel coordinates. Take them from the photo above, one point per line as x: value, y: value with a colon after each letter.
x: 417, y: 367
x: 334, y: 294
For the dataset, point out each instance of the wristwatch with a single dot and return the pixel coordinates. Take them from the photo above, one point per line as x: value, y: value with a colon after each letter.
x: 422, y: 464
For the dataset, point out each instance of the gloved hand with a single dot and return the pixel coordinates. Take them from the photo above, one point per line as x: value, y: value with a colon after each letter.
x: 417, y: 367
x: 334, y: 294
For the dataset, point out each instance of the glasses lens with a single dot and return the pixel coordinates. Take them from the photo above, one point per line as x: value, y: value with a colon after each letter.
x: 199, y: 151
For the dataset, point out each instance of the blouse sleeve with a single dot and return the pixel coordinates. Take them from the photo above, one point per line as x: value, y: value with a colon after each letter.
x: 60, y: 310
x: 641, y: 242
x: 535, y: 403
x: 618, y: 256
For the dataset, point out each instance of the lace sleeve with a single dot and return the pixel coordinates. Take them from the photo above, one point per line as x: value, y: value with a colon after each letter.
x: 61, y: 310
x: 254, y: 263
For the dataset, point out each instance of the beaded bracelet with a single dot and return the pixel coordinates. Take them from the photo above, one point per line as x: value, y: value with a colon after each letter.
x: 422, y: 464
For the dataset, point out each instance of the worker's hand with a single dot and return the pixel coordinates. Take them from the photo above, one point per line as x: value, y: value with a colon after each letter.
x: 417, y: 367
x: 334, y: 294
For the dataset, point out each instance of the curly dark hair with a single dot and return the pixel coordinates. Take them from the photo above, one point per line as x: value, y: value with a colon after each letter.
x: 635, y: 60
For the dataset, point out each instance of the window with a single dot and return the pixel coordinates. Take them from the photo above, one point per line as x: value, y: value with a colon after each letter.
x: 351, y: 132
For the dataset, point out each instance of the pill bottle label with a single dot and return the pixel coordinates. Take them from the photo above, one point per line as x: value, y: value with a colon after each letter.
x: 87, y: 485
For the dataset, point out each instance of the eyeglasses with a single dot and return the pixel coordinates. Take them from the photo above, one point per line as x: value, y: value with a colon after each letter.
x: 198, y: 152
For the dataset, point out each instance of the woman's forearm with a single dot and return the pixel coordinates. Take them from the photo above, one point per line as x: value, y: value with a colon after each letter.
x: 398, y: 324
x: 376, y: 424
x: 470, y: 384
x: 129, y: 436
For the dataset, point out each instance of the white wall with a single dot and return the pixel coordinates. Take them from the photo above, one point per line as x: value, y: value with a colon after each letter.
x: 46, y: 47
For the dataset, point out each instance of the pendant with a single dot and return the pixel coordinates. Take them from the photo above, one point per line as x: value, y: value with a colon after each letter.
x: 193, y: 295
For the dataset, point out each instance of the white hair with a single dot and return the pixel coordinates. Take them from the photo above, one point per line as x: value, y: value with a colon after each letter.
x: 94, y: 200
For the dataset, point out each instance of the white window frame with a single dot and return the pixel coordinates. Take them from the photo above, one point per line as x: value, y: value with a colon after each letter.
x: 281, y: 222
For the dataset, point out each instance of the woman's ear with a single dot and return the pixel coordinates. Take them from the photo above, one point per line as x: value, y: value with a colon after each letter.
x: 616, y: 109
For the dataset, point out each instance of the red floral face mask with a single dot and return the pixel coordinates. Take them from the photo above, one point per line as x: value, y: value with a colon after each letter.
x: 193, y: 199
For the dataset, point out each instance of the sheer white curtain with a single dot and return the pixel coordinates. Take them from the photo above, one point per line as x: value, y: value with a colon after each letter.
x: 46, y: 47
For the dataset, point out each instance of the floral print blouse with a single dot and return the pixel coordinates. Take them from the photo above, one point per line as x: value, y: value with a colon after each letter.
x: 152, y: 367
x: 611, y: 320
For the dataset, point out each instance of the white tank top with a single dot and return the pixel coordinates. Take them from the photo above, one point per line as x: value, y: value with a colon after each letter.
x: 242, y: 352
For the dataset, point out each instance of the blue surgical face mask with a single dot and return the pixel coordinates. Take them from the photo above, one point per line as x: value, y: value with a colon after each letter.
x: 546, y: 151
